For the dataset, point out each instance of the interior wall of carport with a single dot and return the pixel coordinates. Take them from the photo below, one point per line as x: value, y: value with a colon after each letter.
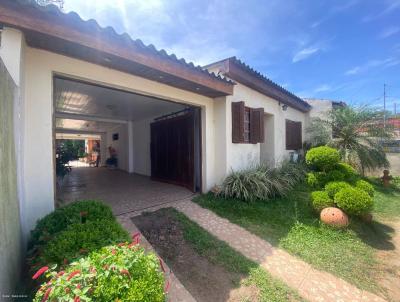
x: 40, y: 66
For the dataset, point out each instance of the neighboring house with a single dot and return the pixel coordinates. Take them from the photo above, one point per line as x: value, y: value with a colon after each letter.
x: 164, y: 117
x: 321, y: 107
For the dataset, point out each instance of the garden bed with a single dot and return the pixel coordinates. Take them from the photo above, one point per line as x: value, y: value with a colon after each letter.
x: 290, y: 223
x: 208, y: 268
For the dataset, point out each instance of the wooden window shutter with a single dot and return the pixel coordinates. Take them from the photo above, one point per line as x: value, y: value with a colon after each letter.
x: 257, y: 125
x: 294, y: 140
x: 237, y: 122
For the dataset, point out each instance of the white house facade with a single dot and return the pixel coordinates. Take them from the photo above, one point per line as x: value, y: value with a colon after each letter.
x: 73, y: 77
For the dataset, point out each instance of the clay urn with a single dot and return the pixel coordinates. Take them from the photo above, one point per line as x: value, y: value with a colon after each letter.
x: 334, y: 217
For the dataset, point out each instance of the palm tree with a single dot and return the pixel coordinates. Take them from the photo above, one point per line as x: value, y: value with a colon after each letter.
x: 357, y: 132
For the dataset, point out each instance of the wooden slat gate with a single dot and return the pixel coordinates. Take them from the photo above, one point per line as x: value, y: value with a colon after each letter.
x: 172, y: 150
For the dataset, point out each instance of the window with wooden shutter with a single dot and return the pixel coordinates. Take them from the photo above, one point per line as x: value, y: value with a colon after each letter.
x: 257, y: 125
x: 247, y: 124
x: 237, y: 122
x: 294, y: 140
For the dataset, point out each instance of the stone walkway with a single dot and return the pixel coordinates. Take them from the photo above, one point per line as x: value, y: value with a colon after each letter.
x: 312, y: 284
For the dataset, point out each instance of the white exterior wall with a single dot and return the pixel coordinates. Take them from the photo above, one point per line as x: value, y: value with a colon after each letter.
x: 121, y: 145
x: 38, y: 167
x: 141, y: 147
x: 240, y: 156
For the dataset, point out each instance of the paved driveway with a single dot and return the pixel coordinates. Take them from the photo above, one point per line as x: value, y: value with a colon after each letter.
x: 124, y: 192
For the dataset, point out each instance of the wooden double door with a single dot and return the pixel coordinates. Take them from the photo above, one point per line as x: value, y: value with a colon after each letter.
x: 173, y: 156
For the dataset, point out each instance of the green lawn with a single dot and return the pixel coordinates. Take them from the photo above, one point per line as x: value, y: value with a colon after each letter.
x: 291, y: 224
x: 217, y: 251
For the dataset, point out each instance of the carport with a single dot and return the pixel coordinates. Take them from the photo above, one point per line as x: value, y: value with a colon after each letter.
x: 157, y: 144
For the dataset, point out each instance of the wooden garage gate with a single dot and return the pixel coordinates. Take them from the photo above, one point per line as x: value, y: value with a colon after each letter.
x: 175, y: 149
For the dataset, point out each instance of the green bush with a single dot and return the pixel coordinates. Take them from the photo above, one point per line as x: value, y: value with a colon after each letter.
x: 321, y: 200
x: 261, y: 182
x: 322, y: 158
x: 353, y: 201
x: 115, y: 273
x: 63, y: 217
x: 335, y: 175
x: 317, y: 179
x: 349, y: 172
x: 80, y: 238
x: 366, y: 186
x: 335, y: 186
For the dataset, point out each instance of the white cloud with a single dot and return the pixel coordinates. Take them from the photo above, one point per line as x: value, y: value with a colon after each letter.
x: 389, y: 62
x: 323, y: 88
x: 305, y: 53
x: 390, y: 6
x: 390, y: 31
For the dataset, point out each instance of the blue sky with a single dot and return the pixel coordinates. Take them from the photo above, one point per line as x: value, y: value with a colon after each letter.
x: 342, y: 50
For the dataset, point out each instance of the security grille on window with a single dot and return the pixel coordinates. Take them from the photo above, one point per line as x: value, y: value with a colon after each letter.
x: 247, y: 124
x: 294, y: 139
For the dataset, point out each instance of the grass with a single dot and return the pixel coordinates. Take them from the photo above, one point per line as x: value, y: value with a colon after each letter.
x: 387, y: 200
x: 218, y: 252
x: 291, y: 224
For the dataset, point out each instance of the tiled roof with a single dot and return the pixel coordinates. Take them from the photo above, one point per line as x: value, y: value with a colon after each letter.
x: 268, y: 81
x: 92, y: 26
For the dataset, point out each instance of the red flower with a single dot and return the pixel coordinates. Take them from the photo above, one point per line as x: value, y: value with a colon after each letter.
x: 135, y: 236
x: 40, y: 272
x: 78, y: 286
x: 125, y: 272
x: 121, y: 244
x: 73, y: 274
x: 77, y: 299
x: 113, y: 251
x: 46, y: 295
x: 60, y: 273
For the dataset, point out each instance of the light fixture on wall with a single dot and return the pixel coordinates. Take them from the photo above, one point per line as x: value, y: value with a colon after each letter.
x: 284, y: 106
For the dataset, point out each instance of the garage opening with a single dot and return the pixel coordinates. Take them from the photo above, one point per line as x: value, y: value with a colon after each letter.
x: 133, y: 145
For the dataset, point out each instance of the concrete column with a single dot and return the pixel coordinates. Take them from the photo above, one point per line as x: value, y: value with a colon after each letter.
x: 130, y: 147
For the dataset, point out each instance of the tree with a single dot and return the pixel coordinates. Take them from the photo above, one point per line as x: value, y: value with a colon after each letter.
x: 358, y: 134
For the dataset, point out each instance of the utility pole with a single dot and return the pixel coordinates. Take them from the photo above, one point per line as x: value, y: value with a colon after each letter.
x: 384, y: 105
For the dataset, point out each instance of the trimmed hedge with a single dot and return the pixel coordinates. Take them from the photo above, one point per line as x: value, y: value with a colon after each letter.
x: 349, y: 172
x: 80, y: 238
x: 114, y: 273
x: 322, y: 158
x: 366, y: 186
x: 353, y: 201
x: 333, y: 187
x: 63, y: 217
x: 321, y: 200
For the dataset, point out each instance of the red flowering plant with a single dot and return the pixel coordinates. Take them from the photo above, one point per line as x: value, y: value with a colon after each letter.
x: 123, y: 272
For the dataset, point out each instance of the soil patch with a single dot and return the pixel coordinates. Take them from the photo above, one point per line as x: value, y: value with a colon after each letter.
x: 206, y: 281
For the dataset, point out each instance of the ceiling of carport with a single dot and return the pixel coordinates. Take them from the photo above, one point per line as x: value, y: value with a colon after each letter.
x: 76, y: 97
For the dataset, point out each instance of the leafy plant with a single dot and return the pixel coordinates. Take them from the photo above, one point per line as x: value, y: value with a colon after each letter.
x: 353, y: 201
x: 61, y: 218
x: 333, y: 187
x: 261, y: 182
x: 358, y: 135
x: 114, y: 273
x: 335, y: 175
x: 80, y: 238
x: 349, y: 172
x: 366, y: 186
x: 322, y: 158
x: 321, y: 200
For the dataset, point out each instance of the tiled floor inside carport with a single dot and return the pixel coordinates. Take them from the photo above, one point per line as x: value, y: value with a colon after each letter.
x: 122, y: 191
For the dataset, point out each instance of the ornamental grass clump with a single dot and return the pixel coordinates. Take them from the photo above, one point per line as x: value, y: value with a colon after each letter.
x: 123, y: 272
x: 262, y: 182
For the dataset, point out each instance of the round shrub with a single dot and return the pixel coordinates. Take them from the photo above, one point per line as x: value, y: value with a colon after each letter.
x: 349, y: 172
x: 353, y: 201
x: 63, y: 217
x: 333, y: 187
x: 335, y: 175
x: 114, y: 273
x: 317, y: 179
x: 80, y: 238
x: 322, y: 158
x: 321, y: 200
x: 366, y: 186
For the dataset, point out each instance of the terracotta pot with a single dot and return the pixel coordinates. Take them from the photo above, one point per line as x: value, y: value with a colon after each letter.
x: 334, y: 217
